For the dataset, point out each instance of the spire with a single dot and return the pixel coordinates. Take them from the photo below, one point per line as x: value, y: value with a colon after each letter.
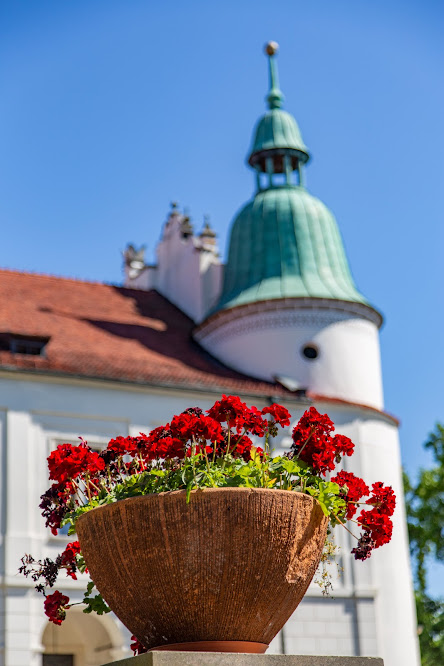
x: 275, y: 97
x: 277, y: 146
x: 284, y: 243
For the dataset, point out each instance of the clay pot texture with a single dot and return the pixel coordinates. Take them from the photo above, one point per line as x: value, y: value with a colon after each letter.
x: 232, y: 565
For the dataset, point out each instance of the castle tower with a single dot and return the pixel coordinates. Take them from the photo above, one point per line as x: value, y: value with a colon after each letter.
x: 290, y: 312
x: 287, y: 283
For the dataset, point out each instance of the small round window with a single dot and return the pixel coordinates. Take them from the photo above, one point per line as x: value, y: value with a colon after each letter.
x: 310, y: 352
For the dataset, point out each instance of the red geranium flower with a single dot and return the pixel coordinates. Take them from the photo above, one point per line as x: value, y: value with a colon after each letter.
x: 384, y: 498
x: 343, y: 445
x: 122, y: 446
x: 68, y: 559
x: 56, y: 605
x: 67, y: 462
x: 354, y: 487
x: 279, y: 414
x: 137, y: 647
x: 313, y: 443
x: 378, y: 525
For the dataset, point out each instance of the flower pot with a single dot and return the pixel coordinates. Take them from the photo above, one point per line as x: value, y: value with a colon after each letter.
x: 230, y: 566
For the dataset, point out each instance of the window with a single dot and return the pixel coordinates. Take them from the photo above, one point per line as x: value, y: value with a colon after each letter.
x: 310, y: 352
x: 21, y: 344
x: 58, y: 660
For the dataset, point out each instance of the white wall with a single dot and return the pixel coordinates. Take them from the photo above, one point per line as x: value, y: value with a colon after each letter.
x: 266, y: 344
x: 188, y: 271
x: 37, y: 413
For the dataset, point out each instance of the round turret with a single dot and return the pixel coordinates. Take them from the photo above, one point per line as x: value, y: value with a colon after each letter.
x: 289, y: 307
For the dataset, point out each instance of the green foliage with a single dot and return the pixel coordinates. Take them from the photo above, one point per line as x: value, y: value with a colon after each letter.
x: 431, y: 629
x: 425, y: 517
x: 95, y: 603
x: 197, y: 472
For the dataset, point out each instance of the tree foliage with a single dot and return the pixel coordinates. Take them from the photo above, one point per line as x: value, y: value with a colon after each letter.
x: 425, y: 516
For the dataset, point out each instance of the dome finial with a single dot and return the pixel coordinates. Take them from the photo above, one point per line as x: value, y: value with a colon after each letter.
x: 275, y: 97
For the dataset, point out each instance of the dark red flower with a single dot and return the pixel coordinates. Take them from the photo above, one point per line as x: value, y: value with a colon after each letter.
x: 68, y: 559
x: 313, y: 419
x: 230, y: 409
x: 54, y: 504
x: 160, y: 443
x: 364, y: 548
x: 383, y: 498
x: 56, y: 605
x: 313, y: 443
x: 279, y: 414
x: 343, y: 445
x: 191, y: 427
x: 378, y: 525
x: 67, y: 462
x: 242, y: 448
x: 121, y: 446
x: 137, y: 647
x: 354, y: 489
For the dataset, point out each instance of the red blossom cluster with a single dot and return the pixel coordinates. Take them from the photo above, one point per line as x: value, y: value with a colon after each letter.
x: 68, y: 559
x: 314, y: 444
x: 67, y: 462
x: 354, y: 490
x: 194, y: 432
x: 56, y: 605
x: 278, y: 413
x: 376, y: 523
x: 223, y: 429
x: 55, y: 503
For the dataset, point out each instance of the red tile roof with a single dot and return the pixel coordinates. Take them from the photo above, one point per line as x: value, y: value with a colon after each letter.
x: 102, y: 331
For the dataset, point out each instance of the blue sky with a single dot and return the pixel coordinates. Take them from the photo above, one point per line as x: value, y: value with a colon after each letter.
x: 110, y: 109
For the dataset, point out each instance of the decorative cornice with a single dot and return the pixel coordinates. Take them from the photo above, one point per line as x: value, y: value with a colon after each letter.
x: 287, y: 312
x: 315, y: 397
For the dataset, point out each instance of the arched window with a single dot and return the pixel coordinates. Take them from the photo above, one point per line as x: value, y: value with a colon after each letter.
x: 83, y: 640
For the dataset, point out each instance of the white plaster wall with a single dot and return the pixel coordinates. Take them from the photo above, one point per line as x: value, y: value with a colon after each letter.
x: 187, y: 275
x: 188, y: 271
x: 146, y: 279
x: 178, y: 275
x: 385, y: 579
x: 37, y: 414
x: 396, y: 616
x: 269, y: 344
x: 341, y: 626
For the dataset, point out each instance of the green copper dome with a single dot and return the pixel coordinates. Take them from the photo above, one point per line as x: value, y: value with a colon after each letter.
x: 284, y: 243
x: 278, y: 129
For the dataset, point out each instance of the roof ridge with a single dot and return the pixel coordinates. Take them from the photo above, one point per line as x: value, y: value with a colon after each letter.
x: 52, y: 276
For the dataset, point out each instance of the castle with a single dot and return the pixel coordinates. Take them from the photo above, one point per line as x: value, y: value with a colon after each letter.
x: 281, y: 321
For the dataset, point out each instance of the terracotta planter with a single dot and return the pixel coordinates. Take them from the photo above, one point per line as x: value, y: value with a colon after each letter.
x: 230, y: 566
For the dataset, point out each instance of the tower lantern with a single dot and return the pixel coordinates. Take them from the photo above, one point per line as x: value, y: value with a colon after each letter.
x: 277, y: 146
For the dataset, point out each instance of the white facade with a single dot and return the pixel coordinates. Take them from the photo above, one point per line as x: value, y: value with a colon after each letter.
x: 372, y: 611
x: 188, y: 270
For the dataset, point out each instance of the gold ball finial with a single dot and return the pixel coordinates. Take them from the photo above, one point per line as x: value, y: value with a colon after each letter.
x: 271, y: 48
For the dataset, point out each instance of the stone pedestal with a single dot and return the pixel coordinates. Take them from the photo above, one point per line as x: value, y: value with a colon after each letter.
x: 230, y: 659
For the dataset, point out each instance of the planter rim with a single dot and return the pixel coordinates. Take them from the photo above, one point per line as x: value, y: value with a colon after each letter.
x: 207, y: 491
